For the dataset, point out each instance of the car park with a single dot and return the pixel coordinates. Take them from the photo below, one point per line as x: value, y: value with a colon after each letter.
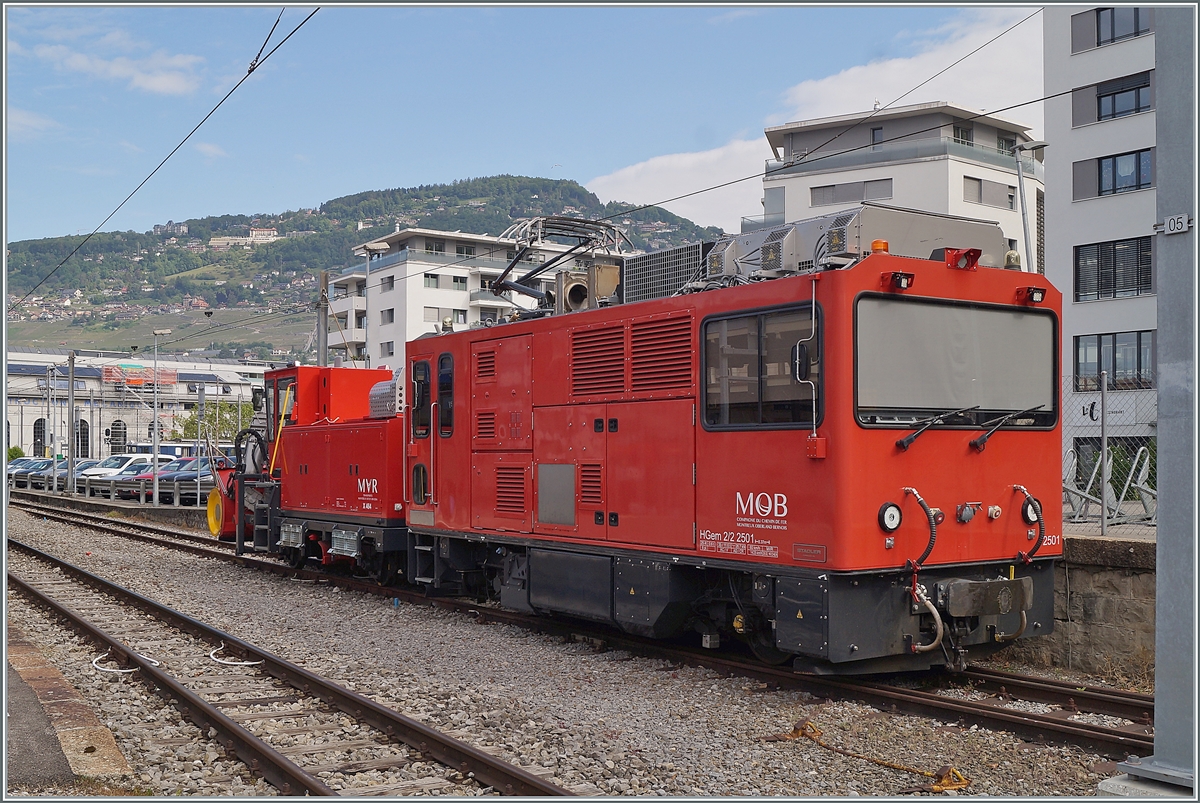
x: 21, y: 477
x: 134, y: 491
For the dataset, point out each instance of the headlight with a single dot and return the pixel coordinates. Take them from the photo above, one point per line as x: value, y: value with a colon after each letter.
x: 1029, y: 512
x: 890, y: 517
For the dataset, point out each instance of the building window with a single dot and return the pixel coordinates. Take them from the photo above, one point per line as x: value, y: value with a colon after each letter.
x: 852, y: 192
x: 431, y: 315
x: 431, y: 280
x: 964, y: 135
x: 972, y: 190
x: 387, y: 348
x: 1127, y: 356
x: 464, y: 250
x: 1118, y: 98
x: 387, y: 283
x: 1115, y: 24
x: 387, y: 316
x: 488, y: 314
x: 1005, y: 144
x: 1115, y: 269
x: 876, y: 138
x: 1129, y: 171
x: 460, y: 316
x: 435, y: 246
x: 460, y: 282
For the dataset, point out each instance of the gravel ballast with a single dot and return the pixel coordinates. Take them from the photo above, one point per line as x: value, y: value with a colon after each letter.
x: 601, y: 723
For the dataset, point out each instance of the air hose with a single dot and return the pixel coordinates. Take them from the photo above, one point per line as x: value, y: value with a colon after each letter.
x: 239, y: 451
x: 918, y: 591
x: 1027, y: 557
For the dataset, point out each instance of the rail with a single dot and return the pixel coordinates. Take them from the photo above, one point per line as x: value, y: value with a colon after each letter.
x: 487, y: 769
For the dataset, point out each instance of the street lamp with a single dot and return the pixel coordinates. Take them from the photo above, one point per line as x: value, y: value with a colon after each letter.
x: 1017, y: 151
x: 154, y: 421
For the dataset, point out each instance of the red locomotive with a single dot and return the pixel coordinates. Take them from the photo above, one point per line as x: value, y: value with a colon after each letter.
x: 840, y: 466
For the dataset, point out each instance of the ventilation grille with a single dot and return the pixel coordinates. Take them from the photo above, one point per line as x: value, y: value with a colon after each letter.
x: 590, y: 493
x: 771, y: 256
x: 485, y: 365
x: 598, y: 361
x: 510, y: 489
x: 659, y: 274
x: 485, y: 425
x: 662, y: 355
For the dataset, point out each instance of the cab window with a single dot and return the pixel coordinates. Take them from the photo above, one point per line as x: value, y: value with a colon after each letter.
x: 421, y: 400
x: 445, y: 395
x: 761, y: 370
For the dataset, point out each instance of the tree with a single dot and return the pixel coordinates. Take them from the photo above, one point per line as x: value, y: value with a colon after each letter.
x: 14, y: 452
x: 219, y: 423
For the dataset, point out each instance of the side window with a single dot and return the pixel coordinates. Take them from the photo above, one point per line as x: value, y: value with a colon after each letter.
x: 420, y: 484
x: 420, y: 397
x: 445, y: 395
x: 750, y: 370
x: 269, y: 398
x: 287, y: 399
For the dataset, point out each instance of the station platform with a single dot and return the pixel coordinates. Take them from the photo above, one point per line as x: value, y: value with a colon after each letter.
x: 53, y: 737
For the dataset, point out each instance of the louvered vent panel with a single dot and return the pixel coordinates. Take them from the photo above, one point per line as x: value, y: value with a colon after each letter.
x: 590, y: 493
x: 771, y: 256
x: 510, y: 489
x: 485, y: 425
x: 598, y: 361
x: 485, y: 365
x: 662, y: 355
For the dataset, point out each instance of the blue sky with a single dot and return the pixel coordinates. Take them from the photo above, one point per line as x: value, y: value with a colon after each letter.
x: 636, y: 103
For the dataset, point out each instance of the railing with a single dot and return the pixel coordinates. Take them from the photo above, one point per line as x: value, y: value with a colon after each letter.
x: 902, y: 150
x: 757, y: 222
x: 488, y: 298
x: 137, y: 490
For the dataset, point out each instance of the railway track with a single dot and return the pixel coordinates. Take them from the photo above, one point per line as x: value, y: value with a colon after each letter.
x: 235, y: 688
x: 1112, y: 722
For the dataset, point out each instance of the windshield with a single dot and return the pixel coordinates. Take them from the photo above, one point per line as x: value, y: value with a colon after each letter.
x: 116, y: 461
x: 174, y: 465
x: 921, y: 358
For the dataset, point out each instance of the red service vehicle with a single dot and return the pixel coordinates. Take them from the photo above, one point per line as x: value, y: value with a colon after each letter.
x: 836, y: 460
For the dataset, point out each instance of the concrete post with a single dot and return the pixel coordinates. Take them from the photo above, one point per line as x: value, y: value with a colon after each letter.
x: 72, y: 426
x: 322, y: 322
x: 1174, y: 759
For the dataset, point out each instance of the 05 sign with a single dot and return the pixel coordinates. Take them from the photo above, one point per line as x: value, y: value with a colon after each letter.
x: 1175, y: 224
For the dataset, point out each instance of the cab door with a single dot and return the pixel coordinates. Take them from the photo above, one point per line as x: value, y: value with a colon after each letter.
x: 421, y: 441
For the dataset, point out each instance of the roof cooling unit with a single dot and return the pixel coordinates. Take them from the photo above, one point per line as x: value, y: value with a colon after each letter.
x: 722, y: 260
x: 777, y: 254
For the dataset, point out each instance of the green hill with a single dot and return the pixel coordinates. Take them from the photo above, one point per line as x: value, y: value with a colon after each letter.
x: 125, y: 265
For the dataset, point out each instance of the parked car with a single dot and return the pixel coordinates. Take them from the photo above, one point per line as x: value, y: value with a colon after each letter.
x: 18, y: 463
x: 80, y: 467
x: 21, y: 477
x: 117, y: 462
x: 178, y: 464
x: 102, y: 488
x: 187, y: 479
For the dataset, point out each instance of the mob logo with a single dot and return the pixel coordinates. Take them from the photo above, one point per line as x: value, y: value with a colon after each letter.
x: 763, y: 504
x: 366, y: 486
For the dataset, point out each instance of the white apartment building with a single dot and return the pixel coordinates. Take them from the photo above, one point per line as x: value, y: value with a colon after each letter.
x: 1100, y: 212
x: 419, y: 278
x: 935, y: 157
x: 114, y: 396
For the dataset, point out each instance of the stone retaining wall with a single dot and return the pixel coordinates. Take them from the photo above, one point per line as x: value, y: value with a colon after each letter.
x: 1103, y: 610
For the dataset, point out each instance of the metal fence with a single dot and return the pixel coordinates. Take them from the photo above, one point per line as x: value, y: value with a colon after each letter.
x: 1110, y: 451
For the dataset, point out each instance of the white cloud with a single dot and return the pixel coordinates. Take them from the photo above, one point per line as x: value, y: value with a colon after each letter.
x: 210, y: 150
x: 160, y: 72
x: 1006, y: 72
x: 679, y: 173
x: 25, y: 124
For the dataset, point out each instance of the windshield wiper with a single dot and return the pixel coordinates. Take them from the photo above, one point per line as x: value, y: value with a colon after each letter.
x: 926, y: 423
x: 982, y: 440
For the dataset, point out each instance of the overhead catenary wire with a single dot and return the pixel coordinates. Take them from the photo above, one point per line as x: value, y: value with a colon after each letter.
x: 253, y: 66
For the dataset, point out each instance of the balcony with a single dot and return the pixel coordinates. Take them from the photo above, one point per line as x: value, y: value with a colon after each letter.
x: 757, y: 222
x: 904, y: 151
x: 485, y: 298
x: 340, y: 305
x: 340, y: 336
